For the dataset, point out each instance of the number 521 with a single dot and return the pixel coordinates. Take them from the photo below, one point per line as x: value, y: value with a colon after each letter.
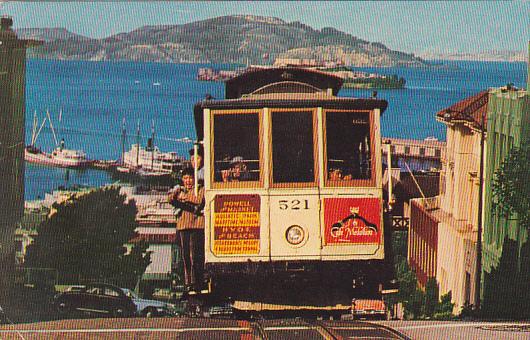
x: 293, y: 204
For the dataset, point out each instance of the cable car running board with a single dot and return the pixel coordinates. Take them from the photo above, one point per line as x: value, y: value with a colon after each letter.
x: 261, y: 306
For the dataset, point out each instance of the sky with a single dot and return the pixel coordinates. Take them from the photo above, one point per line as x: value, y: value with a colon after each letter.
x: 417, y: 27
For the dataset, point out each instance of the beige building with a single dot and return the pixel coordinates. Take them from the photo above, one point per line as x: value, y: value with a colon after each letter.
x: 456, y: 209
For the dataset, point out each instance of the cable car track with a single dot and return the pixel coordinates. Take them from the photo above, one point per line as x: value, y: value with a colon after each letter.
x: 316, y: 329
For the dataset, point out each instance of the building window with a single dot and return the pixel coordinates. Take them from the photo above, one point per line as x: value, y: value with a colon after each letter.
x: 293, y: 147
x: 437, y: 153
x: 236, y: 147
x: 348, y: 146
x: 407, y: 150
x: 393, y: 149
x: 422, y: 151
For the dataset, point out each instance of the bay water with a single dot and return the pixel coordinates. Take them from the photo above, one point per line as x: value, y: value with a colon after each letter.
x: 95, y: 98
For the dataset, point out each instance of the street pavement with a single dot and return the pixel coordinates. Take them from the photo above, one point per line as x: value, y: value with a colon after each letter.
x: 196, y: 328
x: 461, y: 330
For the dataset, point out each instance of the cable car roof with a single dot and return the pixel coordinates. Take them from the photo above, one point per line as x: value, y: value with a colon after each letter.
x: 254, y: 79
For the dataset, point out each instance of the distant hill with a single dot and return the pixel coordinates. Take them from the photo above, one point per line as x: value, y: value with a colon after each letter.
x: 227, y: 39
x: 511, y: 56
x: 48, y: 34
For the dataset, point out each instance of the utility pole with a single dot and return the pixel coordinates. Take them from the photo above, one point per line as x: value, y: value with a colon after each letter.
x: 478, y: 262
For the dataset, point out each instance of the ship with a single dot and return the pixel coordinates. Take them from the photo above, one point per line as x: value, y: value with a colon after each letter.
x: 60, y: 156
x: 149, y: 162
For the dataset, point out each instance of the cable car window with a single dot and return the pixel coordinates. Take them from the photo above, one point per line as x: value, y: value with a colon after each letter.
x: 236, y: 147
x: 348, y: 146
x: 292, y: 147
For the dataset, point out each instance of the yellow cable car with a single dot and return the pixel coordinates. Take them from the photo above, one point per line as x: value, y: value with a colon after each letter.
x: 293, y: 189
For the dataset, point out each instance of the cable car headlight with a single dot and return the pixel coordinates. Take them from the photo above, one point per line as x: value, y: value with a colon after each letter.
x: 295, y: 235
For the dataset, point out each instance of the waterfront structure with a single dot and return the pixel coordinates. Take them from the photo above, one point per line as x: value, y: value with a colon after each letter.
x: 162, y: 245
x: 153, y: 208
x: 296, y: 62
x: 416, y: 154
x: 12, y: 111
x: 506, y: 250
x: 450, y: 221
x: 35, y: 213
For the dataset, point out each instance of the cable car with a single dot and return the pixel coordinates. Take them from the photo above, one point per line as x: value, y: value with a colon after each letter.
x: 293, y: 190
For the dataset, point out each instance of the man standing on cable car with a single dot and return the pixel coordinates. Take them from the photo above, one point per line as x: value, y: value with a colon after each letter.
x: 190, y: 230
x: 197, y: 162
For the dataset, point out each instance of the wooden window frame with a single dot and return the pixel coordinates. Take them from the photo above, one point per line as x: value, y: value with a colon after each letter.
x: 240, y: 184
x: 371, y: 182
x: 313, y: 184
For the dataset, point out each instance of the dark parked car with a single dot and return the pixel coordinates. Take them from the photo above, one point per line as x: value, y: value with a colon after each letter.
x: 100, y: 298
x: 3, y: 318
x: 150, y: 308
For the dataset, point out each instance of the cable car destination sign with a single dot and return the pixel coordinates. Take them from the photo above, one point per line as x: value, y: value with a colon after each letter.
x: 236, y: 224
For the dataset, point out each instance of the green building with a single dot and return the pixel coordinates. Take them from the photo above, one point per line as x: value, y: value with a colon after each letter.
x: 506, y: 247
x: 12, y: 106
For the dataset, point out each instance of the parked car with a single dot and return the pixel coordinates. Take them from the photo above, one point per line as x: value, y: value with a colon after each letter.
x: 150, y: 308
x: 99, y: 298
x: 3, y: 317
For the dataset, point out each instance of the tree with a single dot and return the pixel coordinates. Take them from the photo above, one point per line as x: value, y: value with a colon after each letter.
x: 444, y: 309
x: 431, y: 297
x: 86, y: 237
x: 511, y: 186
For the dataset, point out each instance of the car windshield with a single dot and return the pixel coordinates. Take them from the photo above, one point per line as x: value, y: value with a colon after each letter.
x: 75, y: 288
x: 130, y: 293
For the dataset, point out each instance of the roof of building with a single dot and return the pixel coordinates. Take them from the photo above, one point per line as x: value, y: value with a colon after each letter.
x: 469, y: 111
x: 429, y: 184
x: 408, y: 142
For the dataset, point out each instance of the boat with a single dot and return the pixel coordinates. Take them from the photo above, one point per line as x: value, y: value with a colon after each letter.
x: 59, y: 157
x: 149, y: 162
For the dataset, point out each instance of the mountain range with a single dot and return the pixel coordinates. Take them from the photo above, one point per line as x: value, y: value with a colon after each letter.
x: 227, y: 39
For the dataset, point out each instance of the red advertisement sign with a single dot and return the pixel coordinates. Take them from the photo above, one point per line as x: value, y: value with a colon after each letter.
x: 236, y: 224
x: 352, y: 220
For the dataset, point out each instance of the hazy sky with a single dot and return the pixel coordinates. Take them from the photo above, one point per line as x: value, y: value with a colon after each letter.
x: 406, y: 26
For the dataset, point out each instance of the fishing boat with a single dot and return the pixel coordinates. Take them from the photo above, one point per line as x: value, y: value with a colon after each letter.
x: 60, y: 156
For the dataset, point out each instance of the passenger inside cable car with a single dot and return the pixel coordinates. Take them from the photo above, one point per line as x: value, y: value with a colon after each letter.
x: 236, y: 148
x: 237, y: 171
x: 348, y: 146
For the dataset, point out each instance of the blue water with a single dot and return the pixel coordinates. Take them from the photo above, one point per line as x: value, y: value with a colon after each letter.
x: 95, y: 97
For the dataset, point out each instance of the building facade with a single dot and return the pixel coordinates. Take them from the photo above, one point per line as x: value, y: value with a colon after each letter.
x: 12, y: 107
x: 506, y: 250
x: 443, y: 229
